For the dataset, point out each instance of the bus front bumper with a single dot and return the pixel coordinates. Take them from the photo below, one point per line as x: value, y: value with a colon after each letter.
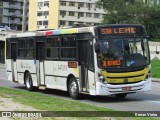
x: 109, y: 89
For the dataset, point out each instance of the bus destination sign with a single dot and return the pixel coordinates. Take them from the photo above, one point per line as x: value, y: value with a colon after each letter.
x: 128, y: 30
x: 121, y: 30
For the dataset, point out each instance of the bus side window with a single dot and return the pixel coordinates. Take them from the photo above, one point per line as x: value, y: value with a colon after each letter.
x: 21, y: 49
x: 91, y: 56
x: 68, y: 47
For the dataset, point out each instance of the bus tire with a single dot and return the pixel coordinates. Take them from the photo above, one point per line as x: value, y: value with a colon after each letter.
x: 29, y: 82
x: 121, y: 95
x: 73, y: 88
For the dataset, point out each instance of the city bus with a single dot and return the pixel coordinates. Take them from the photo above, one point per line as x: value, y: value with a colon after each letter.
x: 111, y: 59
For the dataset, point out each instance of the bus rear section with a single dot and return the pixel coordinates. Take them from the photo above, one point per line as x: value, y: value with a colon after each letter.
x: 123, y: 60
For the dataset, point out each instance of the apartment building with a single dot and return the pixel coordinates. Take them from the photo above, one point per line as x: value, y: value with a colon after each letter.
x: 11, y: 13
x: 52, y: 14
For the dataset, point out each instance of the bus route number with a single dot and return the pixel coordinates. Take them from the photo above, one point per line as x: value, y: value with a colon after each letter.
x: 111, y: 63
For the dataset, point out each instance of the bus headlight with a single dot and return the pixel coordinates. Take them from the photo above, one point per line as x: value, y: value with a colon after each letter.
x: 101, y: 78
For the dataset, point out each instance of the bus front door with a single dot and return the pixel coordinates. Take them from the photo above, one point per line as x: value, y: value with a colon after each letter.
x: 83, y: 63
x: 40, y: 47
x: 13, y: 61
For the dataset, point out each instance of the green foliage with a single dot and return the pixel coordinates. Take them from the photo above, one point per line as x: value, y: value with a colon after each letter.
x: 133, y: 12
x: 155, y: 67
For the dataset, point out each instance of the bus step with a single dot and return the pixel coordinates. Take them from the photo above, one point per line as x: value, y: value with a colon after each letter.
x: 42, y: 87
x: 84, y: 92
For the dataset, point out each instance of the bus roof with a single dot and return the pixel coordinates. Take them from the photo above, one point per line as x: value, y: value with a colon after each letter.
x: 66, y: 31
x: 52, y: 32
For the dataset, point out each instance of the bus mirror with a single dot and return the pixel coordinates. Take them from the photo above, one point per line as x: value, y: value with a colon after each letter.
x: 97, y: 47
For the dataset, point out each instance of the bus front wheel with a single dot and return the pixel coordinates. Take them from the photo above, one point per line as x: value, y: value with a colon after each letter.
x: 73, y: 88
x: 28, y: 82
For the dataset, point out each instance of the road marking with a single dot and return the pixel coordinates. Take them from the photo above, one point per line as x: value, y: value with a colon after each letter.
x: 152, y: 101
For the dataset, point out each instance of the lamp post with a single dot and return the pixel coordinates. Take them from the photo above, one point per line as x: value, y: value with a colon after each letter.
x: 24, y: 15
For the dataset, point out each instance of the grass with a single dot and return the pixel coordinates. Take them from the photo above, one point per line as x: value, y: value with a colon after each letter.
x: 155, y: 64
x: 64, y: 107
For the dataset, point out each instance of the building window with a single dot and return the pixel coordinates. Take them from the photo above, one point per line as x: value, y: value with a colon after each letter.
x: 45, y: 22
x: 71, y: 23
x: 89, y: 23
x: 62, y: 22
x: 40, y: 13
x: 62, y: 3
x: 96, y: 15
x: 95, y: 24
x: 89, y: 5
x: 71, y: 13
x: 80, y: 4
x: 40, y: 4
x: 71, y: 3
x: 62, y: 12
x: 39, y: 23
x: 12, y: 10
x: 46, y: 13
x: 96, y: 5
x: 88, y: 14
x: 46, y: 3
x: 80, y: 14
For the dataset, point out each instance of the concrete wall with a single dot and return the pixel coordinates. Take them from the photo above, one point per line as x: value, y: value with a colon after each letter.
x: 154, y: 50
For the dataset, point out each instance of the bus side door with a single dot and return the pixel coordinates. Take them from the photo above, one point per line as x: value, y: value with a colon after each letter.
x: 86, y: 65
x: 13, y: 60
x: 40, y: 56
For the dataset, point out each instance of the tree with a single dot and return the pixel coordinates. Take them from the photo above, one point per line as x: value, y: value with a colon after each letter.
x: 152, y: 23
x: 133, y: 12
x: 122, y: 11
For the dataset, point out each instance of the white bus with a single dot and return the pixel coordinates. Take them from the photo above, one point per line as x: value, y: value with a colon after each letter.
x: 96, y: 60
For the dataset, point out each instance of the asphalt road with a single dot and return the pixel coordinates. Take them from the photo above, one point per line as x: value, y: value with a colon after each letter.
x: 149, y: 101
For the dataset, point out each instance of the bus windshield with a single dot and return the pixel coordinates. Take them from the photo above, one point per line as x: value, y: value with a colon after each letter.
x: 123, y: 52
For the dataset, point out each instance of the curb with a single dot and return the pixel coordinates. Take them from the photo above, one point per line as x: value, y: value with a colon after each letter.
x: 155, y: 80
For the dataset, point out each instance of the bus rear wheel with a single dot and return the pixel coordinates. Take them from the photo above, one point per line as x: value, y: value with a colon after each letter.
x: 28, y: 82
x: 121, y: 95
x: 73, y: 88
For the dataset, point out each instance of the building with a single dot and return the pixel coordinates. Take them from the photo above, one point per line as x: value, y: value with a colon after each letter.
x: 11, y: 13
x: 151, y: 2
x: 52, y: 14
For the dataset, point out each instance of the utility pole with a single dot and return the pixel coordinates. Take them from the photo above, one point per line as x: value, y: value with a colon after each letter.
x: 24, y: 15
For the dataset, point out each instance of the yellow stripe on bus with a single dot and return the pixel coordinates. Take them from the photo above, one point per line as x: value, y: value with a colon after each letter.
x: 121, y: 77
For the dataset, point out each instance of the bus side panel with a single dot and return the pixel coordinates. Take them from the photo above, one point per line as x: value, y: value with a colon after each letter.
x: 56, y: 83
x: 49, y: 78
x: 20, y: 78
x: 56, y: 73
x: 60, y: 68
x: 9, y: 69
x: 48, y: 67
x: 26, y: 65
x: 148, y: 85
x: 91, y: 80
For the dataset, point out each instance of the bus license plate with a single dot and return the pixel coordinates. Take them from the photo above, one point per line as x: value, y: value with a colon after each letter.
x: 126, y: 88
